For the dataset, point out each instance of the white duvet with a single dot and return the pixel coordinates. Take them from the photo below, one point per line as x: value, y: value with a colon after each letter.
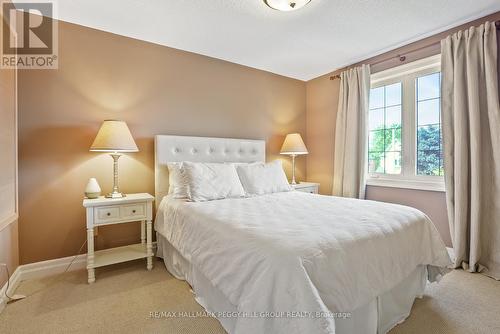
x: 298, y: 252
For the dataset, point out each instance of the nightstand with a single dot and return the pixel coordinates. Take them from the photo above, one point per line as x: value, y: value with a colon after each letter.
x: 307, y: 187
x: 108, y: 211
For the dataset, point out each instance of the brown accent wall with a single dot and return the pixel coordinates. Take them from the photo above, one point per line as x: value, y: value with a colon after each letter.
x: 322, y: 100
x: 156, y: 90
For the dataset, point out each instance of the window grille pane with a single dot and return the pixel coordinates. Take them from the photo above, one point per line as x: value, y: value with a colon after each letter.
x: 428, y: 112
x: 393, y: 162
x: 377, y: 98
x: 393, y: 117
x: 393, y: 94
x: 376, y: 141
x: 392, y: 139
x: 428, y: 138
x: 376, y: 162
x: 429, y: 163
x: 376, y: 119
x: 429, y: 86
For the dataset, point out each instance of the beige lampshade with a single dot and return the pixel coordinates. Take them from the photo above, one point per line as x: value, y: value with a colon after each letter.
x: 293, y: 144
x: 114, y: 136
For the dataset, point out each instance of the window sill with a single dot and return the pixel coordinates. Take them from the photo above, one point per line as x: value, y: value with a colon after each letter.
x: 407, y: 184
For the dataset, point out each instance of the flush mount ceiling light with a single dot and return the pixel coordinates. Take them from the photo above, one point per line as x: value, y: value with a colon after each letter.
x: 286, y: 5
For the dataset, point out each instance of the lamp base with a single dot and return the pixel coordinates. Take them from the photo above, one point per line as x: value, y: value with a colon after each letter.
x: 115, y: 195
x: 293, y: 170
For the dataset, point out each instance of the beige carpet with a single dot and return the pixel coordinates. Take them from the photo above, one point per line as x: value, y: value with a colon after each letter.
x: 124, y: 295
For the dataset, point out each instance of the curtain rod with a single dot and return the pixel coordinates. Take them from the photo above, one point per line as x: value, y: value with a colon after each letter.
x: 402, y: 57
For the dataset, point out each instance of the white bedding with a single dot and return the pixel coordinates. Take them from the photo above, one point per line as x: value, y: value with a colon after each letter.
x: 297, y: 252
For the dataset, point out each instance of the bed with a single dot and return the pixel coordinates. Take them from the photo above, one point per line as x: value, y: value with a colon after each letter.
x: 292, y: 262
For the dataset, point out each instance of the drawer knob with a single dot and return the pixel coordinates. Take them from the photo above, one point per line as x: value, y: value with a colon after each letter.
x: 108, y: 214
x: 133, y: 211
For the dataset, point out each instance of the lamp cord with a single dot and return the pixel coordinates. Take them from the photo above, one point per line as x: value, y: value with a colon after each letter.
x: 8, y: 281
x: 10, y: 298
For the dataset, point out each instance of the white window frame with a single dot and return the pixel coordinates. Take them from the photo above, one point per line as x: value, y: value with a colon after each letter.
x: 407, y: 74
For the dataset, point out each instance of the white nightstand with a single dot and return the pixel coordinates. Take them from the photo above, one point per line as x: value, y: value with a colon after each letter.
x: 307, y: 187
x: 106, y: 211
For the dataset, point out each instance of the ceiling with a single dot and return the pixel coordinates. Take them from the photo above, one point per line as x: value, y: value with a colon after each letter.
x: 323, y: 36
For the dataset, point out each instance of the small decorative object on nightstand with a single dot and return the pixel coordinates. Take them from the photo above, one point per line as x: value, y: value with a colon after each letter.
x: 107, y: 211
x: 307, y: 187
x: 92, y: 190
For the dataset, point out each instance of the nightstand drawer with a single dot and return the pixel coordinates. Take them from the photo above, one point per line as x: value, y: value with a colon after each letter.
x: 311, y: 190
x: 133, y: 211
x: 107, y: 213
x: 306, y: 187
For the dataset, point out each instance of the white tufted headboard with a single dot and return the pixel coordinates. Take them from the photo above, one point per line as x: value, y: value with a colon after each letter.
x: 201, y: 149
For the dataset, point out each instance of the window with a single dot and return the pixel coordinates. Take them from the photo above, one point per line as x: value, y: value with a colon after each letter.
x: 404, y: 140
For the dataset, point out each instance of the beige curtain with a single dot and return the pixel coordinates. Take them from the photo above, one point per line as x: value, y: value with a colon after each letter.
x: 349, y: 175
x: 471, y: 139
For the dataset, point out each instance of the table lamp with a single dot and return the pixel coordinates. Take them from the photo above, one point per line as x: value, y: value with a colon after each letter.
x: 293, y: 146
x: 114, y: 137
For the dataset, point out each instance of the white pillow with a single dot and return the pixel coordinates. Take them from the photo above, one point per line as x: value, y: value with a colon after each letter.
x: 177, y: 184
x: 259, y: 179
x: 210, y: 181
x: 236, y: 164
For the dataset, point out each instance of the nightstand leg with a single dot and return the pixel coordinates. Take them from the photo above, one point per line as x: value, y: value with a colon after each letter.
x: 143, y: 232
x: 90, y: 255
x: 149, y: 244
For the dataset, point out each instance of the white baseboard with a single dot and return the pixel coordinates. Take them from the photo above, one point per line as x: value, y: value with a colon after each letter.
x: 43, y: 269
x: 52, y: 267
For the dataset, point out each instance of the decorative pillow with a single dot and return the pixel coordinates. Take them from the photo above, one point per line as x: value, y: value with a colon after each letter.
x: 177, y: 184
x: 210, y: 181
x: 259, y: 179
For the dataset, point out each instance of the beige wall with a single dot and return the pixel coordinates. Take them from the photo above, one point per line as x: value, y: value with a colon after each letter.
x: 8, y: 230
x: 322, y: 99
x: 157, y: 90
